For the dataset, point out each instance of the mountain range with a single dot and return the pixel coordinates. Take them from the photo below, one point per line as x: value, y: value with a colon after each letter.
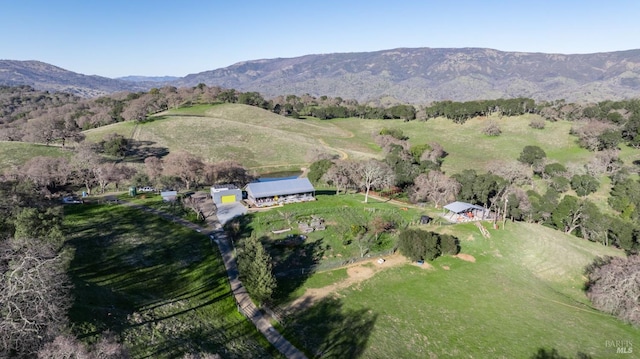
x: 413, y: 75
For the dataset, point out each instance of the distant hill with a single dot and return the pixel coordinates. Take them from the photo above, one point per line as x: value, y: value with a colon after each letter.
x: 415, y: 75
x: 43, y: 76
x: 424, y: 74
x: 148, y: 78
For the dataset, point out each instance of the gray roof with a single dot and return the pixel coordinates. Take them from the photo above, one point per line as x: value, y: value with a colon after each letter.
x: 279, y: 188
x: 459, y: 207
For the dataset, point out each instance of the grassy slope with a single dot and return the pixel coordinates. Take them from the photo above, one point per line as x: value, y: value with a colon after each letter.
x: 160, y: 287
x: 524, y: 292
x: 254, y: 137
x: 468, y: 148
x: 17, y: 153
x: 258, y: 138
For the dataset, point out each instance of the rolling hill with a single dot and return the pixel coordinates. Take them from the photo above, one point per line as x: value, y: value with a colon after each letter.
x: 260, y: 139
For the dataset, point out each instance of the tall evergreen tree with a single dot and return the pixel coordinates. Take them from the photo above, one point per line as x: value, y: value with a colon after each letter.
x: 256, y: 270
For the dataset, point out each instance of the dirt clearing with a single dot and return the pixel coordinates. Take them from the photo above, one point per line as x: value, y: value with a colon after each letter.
x: 357, y: 273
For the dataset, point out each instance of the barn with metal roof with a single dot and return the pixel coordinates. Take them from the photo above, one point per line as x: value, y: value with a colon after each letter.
x: 272, y: 193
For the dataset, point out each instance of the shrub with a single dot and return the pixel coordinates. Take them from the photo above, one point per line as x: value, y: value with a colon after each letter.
x: 492, y: 129
x: 449, y: 244
x: 537, y: 123
x: 417, y: 244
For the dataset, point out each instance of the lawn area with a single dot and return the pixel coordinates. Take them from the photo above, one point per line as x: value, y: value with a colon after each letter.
x: 160, y: 287
x: 523, y: 293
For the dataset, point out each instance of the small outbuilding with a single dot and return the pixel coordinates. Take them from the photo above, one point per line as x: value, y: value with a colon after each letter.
x: 225, y: 193
x: 169, y: 196
x: 424, y: 219
x: 272, y: 193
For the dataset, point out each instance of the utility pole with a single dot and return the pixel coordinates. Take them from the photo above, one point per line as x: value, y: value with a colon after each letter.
x: 504, y: 213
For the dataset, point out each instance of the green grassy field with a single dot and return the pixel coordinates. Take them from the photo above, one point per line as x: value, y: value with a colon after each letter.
x: 335, y: 244
x: 523, y: 293
x: 468, y: 147
x: 256, y: 138
x: 17, y: 153
x: 160, y: 287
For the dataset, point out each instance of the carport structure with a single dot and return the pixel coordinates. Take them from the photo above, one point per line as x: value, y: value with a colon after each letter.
x: 465, y: 212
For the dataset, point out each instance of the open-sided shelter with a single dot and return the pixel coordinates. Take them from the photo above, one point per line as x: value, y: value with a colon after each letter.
x: 272, y: 193
x: 464, y: 212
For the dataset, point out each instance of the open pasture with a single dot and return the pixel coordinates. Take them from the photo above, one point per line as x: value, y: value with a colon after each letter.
x: 161, y: 288
x: 522, y: 294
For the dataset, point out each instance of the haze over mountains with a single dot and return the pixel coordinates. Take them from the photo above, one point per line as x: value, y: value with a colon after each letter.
x: 413, y: 75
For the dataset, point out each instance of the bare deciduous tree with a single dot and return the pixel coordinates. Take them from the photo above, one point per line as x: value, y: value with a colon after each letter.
x: 34, y: 298
x: 433, y: 155
x: 339, y: 175
x: 604, y: 162
x: 514, y: 171
x: 613, y: 286
x: 372, y: 174
x: 84, y: 165
x: 153, y: 167
x: 47, y: 173
x: 189, y: 168
x: 435, y: 187
x: 227, y: 172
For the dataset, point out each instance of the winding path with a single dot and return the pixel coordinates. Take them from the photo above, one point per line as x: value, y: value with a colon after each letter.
x: 245, y: 305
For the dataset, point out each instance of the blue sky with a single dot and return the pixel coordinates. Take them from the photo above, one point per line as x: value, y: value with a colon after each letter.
x: 153, y: 38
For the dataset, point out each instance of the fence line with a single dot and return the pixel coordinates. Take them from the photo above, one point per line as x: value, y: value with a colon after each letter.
x: 325, y: 266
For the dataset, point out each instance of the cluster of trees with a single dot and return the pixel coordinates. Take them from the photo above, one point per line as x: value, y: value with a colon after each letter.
x: 184, y: 170
x: 419, y: 245
x: 460, y: 112
x: 613, y: 286
x: 88, y: 169
x: 601, y: 126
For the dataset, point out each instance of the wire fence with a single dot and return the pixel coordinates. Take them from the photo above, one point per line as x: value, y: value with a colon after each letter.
x: 329, y: 265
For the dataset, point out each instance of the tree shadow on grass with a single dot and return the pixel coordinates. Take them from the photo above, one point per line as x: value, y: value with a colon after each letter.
x: 293, y: 258
x: 293, y: 266
x: 137, y: 151
x: 544, y: 353
x: 142, y: 265
x: 329, y: 330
